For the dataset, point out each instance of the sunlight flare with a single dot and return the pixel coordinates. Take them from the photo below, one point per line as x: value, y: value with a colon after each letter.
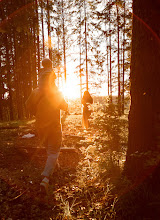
x: 71, y: 88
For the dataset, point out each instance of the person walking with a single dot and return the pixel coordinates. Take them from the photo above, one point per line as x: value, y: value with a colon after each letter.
x: 86, y: 100
x: 45, y: 102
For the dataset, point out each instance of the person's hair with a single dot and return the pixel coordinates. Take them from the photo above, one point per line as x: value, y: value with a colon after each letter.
x: 47, y: 63
x: 87, y: 97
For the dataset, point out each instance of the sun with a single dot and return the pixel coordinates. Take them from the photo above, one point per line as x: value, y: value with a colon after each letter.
x: 71, y: 89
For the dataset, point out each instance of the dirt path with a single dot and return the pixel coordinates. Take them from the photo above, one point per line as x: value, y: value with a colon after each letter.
x: 21, y: 165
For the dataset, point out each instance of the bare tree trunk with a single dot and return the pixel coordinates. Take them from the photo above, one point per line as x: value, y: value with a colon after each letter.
x: 1, y: 92
x: 145, y: 89
x: 10, y: 99
x: 64, y: 43
x: 86, y: 49
x: 108, y: 71
x: 80, y: 50
x: 42, y: 23
x: 17, y: 78
x: 34, y: 72
x: 58, y: 34
x: 123, y: 59
x: 106, y: 37
x: 118, y: 53
x: 38, y: 45
x: 110, y: 45
x: 49, y: 31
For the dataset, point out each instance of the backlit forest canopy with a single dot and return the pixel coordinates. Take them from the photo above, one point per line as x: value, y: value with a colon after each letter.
x: 88, y: 42
x: 110, y: 169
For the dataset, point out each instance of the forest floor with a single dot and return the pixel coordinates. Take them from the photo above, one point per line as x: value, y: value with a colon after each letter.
x: 81, y: 188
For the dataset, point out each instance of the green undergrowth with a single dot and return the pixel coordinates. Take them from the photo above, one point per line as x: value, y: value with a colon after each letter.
x: 93, y: 193
x: 89, y: 190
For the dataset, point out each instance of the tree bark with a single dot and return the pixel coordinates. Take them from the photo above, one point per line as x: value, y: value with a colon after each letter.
x: 1, y: 92
x: 123, y: 57
x: 118, y: 60
x: 64, y: 43
x: 10, y: 97
x: 145, y: 88
x: 17, y: 76
x: 42, y: 23
x: 110, y: 52
x: 86, y: 49
x: 38, y: 43
x: 80, y: 49
x: 49, y: 29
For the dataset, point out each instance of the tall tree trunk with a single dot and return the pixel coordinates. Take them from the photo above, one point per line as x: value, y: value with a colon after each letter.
x: 34, y: 72
x: 86, y: 49
x: 80, y: 50
x: 64, y: 42
x: 1, y: 91
x: 49, y: 30
x: 21, y: 77
x: 28, y: 44
x: 16, y: 76
x: 42, y: 23
x: 1, y: 79
x: 123, y: 57
x: 38, y: 44
x: 110, y: 46
x: 107, y: 53
x: 145, y: 89
x: 10, y: 98
x: 118, y: 60
x: 58, y: 37
x: 108, y: 71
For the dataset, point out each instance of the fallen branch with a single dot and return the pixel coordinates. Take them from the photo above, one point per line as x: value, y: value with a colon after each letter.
x: 10, y: 200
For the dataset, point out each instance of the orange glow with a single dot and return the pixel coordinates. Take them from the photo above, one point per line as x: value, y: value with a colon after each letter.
x: 49, y: 43
x: 71, y: 89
